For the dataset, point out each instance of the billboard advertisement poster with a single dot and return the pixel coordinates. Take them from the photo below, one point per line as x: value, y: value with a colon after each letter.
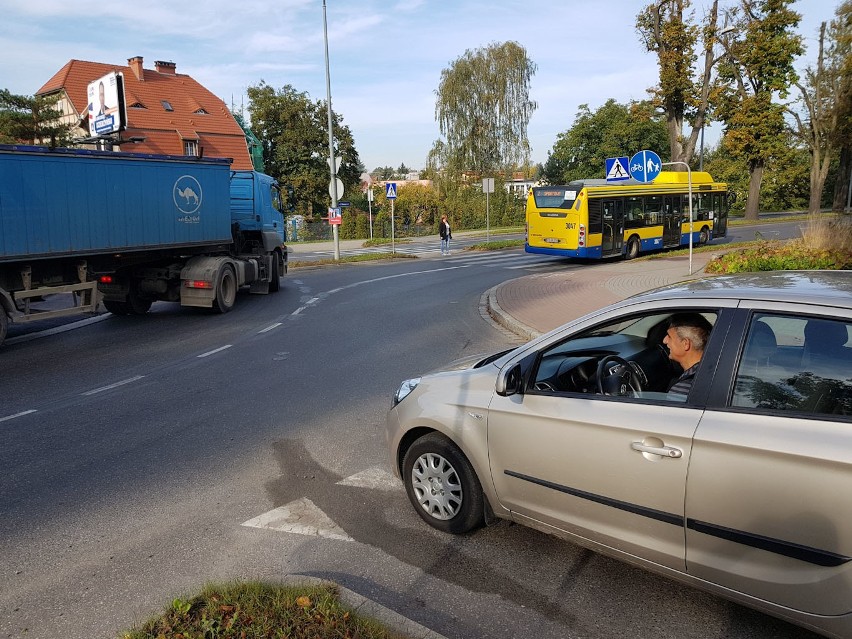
x: 106, y: 104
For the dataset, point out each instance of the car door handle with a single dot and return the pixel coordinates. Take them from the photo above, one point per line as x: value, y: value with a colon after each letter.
x: 665, y: 451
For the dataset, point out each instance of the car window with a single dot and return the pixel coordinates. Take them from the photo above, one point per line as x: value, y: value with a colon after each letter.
x: 625, y: 357
x: 796, y: 364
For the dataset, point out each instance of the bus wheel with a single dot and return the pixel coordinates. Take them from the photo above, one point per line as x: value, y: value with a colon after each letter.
x: 632, y: 248
x: 704, y: 236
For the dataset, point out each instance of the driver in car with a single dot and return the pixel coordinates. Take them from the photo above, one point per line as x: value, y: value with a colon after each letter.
x: 686, y: 338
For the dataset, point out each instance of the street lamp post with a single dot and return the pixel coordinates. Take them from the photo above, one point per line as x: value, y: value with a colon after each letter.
x: 331, y: 163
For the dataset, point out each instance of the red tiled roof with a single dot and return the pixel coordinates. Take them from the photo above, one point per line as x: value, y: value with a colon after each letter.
x: 217, y: 131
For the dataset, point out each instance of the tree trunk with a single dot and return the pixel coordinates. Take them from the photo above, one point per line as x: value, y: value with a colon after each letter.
x: 675, y: 128
x: 819, y: 173
x: 755, y: 177
x: 842, y: 186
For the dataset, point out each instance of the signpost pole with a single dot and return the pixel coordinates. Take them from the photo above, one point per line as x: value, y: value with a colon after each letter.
x: 331, y: 162
x: 370, y: 209
x: 393, y: 239
x: 691, y: 221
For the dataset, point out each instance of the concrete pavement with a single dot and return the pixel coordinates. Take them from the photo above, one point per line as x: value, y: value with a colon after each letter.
x: 532, y: 305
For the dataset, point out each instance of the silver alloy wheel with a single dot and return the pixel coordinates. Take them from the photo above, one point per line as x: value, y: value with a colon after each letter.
x: 436, y: 485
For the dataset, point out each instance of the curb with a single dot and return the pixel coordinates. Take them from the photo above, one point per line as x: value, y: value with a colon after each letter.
x: 504, y: 319
x: 369, y: 608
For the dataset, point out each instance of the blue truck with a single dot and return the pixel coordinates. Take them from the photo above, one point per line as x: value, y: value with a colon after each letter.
x: 127, y: 229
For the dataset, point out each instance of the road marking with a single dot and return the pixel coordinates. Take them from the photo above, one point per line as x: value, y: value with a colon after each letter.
x: 215, y: 350
x: 269, y: 328
x: 374, y: 478
x: 111, y: 386
x: 16, y: 415
x: 301, y: 517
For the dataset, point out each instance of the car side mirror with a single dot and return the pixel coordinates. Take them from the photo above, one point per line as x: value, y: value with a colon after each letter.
x: 509, y: 381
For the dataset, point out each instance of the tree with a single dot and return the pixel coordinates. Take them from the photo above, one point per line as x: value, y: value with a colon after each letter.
x: 32, y: 120
x: 820, y: 94
x: 611, y: 131
x: 758, y: 65
x: 293, y: 130
x: 682, y: 96
x: 841, y: 54
x: 483, y: 109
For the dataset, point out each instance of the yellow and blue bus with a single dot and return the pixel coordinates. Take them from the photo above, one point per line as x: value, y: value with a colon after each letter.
x: 597, y: 219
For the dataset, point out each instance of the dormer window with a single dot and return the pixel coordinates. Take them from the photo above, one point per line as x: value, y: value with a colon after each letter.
x: 200, y: 111
x: 167, y: 105
x: 138, y: 105
x: 190, y: 147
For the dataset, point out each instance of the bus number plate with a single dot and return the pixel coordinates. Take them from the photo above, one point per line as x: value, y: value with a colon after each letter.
x: 552, y: 240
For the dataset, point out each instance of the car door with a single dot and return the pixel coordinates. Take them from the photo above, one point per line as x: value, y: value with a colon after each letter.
x: 768, y: 501
x: 609, y: 469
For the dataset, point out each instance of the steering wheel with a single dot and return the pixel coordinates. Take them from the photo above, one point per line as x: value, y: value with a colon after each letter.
x: 616, y: 377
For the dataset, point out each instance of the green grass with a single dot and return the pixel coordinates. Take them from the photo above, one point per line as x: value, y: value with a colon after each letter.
x: 704, y: 248
x: 254, y: 610
x: 495, y: 245
x: 385, y: 241
x: 345, y: 259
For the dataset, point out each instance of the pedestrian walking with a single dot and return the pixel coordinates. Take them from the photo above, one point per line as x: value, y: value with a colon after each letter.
x: 446, y: 235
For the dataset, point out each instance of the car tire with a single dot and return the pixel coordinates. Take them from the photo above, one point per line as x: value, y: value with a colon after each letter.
x: 442, y: 485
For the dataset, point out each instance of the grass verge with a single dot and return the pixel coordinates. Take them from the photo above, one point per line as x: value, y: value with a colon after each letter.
x: 254, y: 609
x: 495, y: 245
x: 366, y: 257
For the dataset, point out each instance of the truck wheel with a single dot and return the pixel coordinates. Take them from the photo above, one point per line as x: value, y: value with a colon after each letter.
x: 226, y: 290
x: 275, y: 276
x: 116, y: 308
x: 136, y: 305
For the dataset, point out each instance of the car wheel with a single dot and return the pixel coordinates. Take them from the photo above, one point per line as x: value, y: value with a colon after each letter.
x: 442, y: 485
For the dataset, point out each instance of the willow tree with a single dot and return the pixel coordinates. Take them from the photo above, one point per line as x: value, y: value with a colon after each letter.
x: 483, y: 109
x: 760, y: 49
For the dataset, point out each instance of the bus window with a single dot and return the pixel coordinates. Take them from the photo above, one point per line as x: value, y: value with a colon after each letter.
x: 653, y: 209
x: 634, y: 212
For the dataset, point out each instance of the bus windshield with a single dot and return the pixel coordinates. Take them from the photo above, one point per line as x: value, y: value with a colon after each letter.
x: 554, y: 197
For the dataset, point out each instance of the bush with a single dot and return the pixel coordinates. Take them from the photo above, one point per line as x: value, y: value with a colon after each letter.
x: 777, y: 256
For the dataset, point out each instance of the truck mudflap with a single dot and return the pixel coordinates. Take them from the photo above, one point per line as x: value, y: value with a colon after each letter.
x: 200, y: 280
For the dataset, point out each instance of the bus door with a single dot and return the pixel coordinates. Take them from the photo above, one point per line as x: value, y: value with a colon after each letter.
x: 612, y: 240
x: 672, y: 220
x: 720, y: 215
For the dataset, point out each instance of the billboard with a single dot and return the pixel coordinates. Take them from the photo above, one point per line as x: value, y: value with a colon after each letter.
x: 106, y: 105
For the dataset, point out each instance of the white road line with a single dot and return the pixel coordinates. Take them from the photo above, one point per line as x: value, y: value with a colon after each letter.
x: 111, y: 386
x: 16, y: 415
x: 215, y: 350
x: 269, y: 328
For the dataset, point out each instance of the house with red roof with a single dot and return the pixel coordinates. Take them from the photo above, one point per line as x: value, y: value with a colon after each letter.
x: 168, y: 113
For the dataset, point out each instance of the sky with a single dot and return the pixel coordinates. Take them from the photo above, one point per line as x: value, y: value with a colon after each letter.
x: 385, y: 56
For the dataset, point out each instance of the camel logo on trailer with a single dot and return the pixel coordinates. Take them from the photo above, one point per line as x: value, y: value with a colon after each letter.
x: 187, y: 196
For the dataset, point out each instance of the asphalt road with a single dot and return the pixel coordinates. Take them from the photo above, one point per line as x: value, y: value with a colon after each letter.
x: 136, y: 451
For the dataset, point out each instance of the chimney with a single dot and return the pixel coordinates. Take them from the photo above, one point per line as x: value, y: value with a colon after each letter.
x: 165, y: 67
x: 135, y: 65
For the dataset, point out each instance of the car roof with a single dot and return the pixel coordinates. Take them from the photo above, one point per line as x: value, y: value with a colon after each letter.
x: 824, y: 288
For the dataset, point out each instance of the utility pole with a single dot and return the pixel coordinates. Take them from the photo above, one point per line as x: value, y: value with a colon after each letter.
x: 331, y: 163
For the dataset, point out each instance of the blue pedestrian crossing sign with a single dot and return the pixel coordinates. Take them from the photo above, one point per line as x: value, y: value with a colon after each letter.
x: 645, y: 166
x: 390, y: 190
x: 616, y: 169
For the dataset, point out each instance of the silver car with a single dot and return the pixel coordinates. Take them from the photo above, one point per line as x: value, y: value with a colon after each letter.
x: 739, y: 484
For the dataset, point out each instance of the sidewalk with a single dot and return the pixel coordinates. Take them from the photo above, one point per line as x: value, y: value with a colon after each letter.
x: 532, y: 305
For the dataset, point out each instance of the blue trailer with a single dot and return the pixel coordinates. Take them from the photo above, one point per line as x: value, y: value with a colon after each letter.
x: 128, y: 229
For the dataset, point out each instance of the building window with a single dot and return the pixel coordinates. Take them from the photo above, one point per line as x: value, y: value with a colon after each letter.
x: 190, y: 147
x: 167, y: 105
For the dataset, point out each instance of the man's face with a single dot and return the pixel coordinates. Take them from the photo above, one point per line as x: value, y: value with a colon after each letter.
x: 676, y: 344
